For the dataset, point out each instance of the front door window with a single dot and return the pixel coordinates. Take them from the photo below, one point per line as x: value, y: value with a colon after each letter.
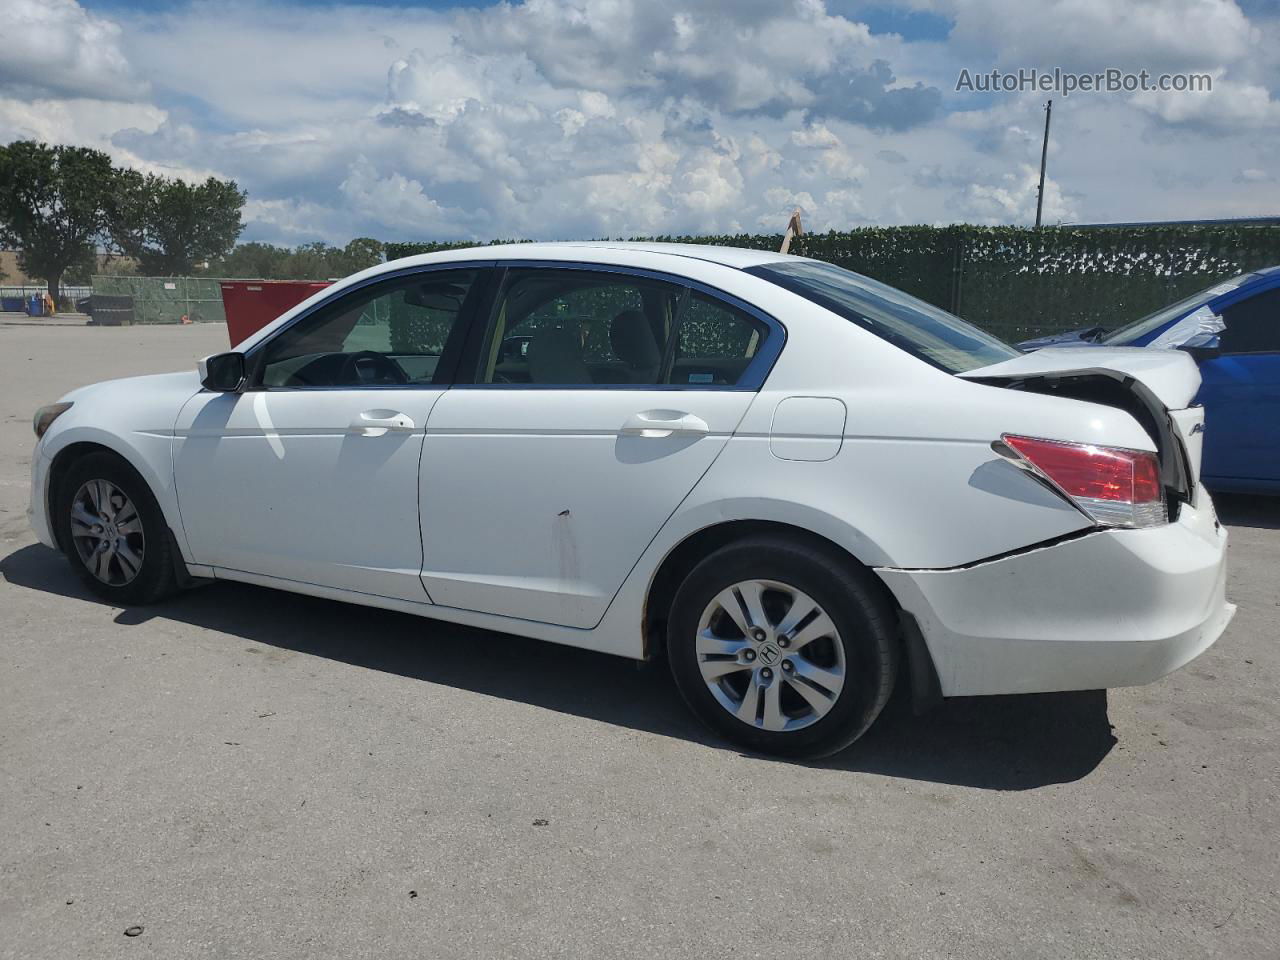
x: 388, y: 335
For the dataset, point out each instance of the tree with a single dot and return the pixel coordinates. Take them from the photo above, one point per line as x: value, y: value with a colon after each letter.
x: 361, y: 254
x: 310, y: 261
x: 56, y: 204
x: 170, y: 226
x: 81, y: 274
x: 257, y: 261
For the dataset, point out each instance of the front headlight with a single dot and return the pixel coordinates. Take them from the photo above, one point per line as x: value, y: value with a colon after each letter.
x: 45, y: 416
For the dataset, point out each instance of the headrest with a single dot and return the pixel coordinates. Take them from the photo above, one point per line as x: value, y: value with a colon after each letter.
x: 632, y: 340
x: 555, y: 356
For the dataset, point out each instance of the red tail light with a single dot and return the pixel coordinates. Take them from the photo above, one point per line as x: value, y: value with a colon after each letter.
x: 1114, y: 486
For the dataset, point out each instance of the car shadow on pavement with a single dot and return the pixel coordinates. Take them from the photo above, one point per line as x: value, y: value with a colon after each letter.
x: 1247, y: 510
x: 993, y: 743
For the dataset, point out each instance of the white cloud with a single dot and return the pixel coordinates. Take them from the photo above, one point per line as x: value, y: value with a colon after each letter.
x: 709, y: 182
x: 1013, y: 199
x: 87, y: 122
x: 815, y: 135
x: 1230, y: 105
x: 1095, y: 34
x: 1254, y: 175
x: 57, y: 48
x: 780, y: 203
x: 840, y: 210
x: 738, y: 57
x: 398, y: 201
x: 590, y: 118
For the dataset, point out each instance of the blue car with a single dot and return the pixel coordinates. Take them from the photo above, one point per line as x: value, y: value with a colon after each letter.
x: 1233, y: 330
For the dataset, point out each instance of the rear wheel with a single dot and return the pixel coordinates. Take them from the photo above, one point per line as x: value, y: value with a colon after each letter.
x: 783, y: 647
x: 113, y: 531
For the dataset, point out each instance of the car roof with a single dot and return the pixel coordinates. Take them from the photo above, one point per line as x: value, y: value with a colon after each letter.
x: 738, y: 257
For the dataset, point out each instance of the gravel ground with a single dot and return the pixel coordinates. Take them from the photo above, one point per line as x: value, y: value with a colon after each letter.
x: 245, y: 773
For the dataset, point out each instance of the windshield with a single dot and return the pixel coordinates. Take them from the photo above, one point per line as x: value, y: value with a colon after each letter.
x: 1154, y: 321
x: 922, y: 330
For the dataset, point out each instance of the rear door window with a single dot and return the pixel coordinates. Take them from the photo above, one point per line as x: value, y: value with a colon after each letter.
x: 571, y: 328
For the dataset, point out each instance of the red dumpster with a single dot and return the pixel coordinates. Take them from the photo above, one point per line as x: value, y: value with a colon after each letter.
x: 251, y: 304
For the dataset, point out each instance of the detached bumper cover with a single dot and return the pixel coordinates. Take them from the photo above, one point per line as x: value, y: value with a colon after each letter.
x: 1114, y: 608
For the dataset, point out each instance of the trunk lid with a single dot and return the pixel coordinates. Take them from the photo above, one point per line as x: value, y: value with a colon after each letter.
x: 1171, y: 375
x: 1155, y: 386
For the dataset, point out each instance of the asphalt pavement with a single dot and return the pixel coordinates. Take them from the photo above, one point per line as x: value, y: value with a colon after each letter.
x: 245, y: 773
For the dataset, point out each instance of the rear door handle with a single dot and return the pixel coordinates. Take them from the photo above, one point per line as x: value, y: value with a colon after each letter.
x: 664, y: 423
x: 376, y: 423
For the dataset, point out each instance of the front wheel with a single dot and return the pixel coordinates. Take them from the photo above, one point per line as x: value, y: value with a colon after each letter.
x: 783, y: 647
x: 113, y: 531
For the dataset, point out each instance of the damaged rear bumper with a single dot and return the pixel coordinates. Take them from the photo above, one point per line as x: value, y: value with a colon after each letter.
x: 1113, y: 608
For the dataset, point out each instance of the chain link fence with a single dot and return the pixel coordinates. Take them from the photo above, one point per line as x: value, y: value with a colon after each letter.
x: 14, y: 297
x: 158, y: 299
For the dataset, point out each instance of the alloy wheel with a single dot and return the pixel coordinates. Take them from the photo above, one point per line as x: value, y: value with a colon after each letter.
x: 107, y: 532
x: 770, y: 655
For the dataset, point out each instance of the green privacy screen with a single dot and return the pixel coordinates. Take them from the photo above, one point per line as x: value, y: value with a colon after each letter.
x: 1018, y: 282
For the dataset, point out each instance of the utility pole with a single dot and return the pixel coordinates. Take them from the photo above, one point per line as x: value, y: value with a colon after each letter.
x: 1044, y: 156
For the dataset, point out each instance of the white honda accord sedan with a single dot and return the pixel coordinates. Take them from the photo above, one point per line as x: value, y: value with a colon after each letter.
x: 799, y: 485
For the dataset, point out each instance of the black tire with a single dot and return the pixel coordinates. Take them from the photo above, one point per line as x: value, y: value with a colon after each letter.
x: 864, y: 619
x: 156, y: 577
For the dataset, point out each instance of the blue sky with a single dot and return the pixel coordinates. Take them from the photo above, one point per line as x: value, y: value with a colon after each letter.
x: 588, y: 118
x: 881, y: 18
x: 157, y: 6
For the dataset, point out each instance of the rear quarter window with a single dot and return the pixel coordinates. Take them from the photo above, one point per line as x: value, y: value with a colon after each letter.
x: 926, y: 332
x: 716, y: 343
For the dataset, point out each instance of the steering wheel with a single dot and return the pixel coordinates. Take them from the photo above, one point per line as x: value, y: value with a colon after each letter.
x: 368, y: 366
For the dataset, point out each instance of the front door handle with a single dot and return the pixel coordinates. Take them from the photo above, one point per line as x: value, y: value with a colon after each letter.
x: 664, y: 423
x: 376, y: 423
